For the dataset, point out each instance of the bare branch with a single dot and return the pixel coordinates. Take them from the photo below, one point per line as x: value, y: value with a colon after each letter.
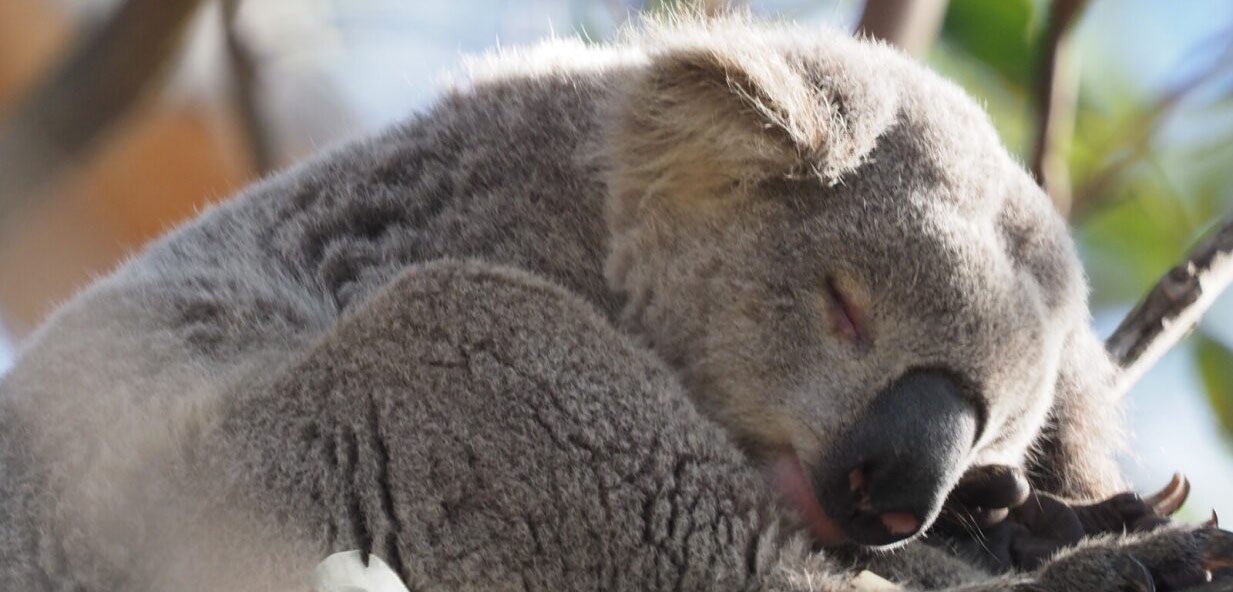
x: 911, y: 25
x: 1057, y: 94
x: 100, y: 79
x: 1174, y: 305
x: 244, y: 93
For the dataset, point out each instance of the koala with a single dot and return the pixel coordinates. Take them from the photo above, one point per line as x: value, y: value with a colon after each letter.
x: 722, y: 305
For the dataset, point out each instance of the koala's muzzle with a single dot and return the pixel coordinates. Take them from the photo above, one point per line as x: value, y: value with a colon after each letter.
x: 888, y: 476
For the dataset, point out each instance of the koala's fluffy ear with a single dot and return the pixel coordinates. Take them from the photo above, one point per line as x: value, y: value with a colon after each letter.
x: 1076, y: 452
x: 702, y: 118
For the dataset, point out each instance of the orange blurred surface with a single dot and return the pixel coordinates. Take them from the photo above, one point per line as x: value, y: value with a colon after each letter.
x: 162, y: 163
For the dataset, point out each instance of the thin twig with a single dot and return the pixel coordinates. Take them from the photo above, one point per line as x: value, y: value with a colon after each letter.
x: 1057, y: 93
x: 1146, y: 125
x: 1174, y: 305
x: 911, y: 25
x: 244, y: 93
x: 100, y: 79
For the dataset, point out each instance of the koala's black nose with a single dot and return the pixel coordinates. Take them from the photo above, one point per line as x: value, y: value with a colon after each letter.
x: 888, y: 476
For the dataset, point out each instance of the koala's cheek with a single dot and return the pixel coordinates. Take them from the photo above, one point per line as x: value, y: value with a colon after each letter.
x: 785, y: 430
x: 761, y: 428
x: 795, y: 433
x: 816, y: 423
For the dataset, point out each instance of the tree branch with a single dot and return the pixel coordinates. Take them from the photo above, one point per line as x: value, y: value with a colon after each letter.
x: 244, y: 93
x: 99, y: 80
x: 911, y: 25
x: 1174, y: 305
x: 1057, y: 94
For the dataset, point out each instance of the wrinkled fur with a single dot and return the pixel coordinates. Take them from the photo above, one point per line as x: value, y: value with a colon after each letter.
x: 649, y: 227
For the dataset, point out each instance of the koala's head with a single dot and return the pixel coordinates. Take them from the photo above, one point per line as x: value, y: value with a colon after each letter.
x: 846, y: 267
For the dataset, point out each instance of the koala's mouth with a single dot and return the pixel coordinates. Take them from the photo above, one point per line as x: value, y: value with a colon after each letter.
x: 883, y: 480
x: 795, y: 488
x: 790, y: 481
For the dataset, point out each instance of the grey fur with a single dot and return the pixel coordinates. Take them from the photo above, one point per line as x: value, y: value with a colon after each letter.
x: 647, y: 227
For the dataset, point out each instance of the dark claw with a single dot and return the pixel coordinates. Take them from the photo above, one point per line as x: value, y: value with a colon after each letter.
x: 1122, y: 512
x: 1129, y: 512
x: 1167, y: 501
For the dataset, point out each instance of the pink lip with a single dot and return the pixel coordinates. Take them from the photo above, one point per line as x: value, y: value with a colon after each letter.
x: 789, y: 480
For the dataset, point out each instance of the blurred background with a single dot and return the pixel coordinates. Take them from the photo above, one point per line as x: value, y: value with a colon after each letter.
x: 121, y: 118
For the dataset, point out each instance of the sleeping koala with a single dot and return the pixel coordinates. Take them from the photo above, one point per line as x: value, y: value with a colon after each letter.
x: 843, y: 264
x: 722, y: 305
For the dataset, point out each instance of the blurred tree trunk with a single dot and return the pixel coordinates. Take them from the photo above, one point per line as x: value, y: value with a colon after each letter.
x: 911, y: 25
x: 165, y: 161
x: 245, y: 91
x: 1056, y: 97
x: 31, y: 32
x: 100, y: 79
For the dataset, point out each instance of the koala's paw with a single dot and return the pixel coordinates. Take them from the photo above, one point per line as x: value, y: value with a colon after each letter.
x: 1167, y: 559
x: 1039, y: 525
x: 1128, y: 512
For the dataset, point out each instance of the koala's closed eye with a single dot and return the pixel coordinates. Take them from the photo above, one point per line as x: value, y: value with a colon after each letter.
x: 847, y: 317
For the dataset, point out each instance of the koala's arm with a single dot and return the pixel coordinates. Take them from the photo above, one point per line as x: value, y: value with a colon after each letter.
x: 1077, y: 448
x: 479, y: 428
x: 1174, y: 558
x: 114, y: 379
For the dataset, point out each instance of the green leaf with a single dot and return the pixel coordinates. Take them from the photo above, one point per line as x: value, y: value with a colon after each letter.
x: 1216, y: 369
x: 999, y: 33
x: 1128, y: 244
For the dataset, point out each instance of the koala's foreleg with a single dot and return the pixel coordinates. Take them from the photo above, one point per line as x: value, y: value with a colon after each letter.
x: 1129, y: 512
x: 1078, y: 447
x: 1170, y: 559
x: 477, y: 427
x: 994, y: 519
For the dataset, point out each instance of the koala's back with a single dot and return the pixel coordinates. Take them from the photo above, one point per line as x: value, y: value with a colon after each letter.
x: 499, y: 173
x: 116, y: 379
